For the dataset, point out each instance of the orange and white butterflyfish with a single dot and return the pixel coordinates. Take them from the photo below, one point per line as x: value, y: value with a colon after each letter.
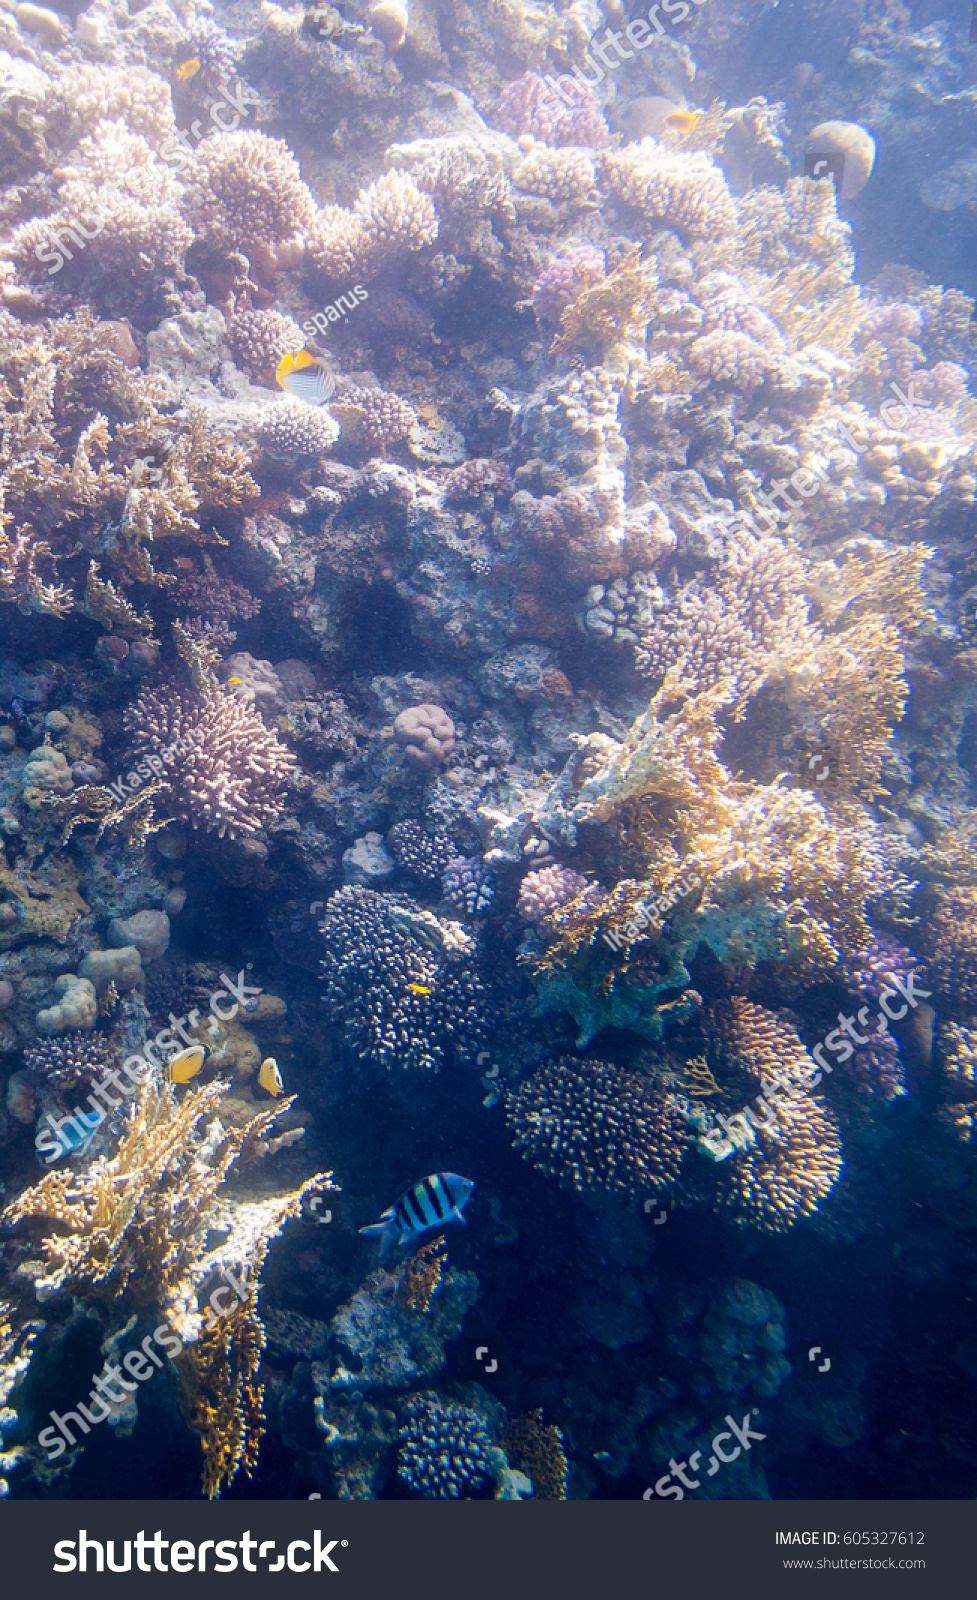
x: 683, y: 121
x: 189, y: 69
x: 307, y: 378
x: 270, y: 1078
x: 186, y: 1065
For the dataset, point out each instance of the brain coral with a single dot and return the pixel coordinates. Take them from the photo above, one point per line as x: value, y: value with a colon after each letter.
x: 222, y: 769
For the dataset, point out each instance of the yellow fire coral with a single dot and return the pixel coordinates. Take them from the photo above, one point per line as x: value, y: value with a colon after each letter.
x: 536, y: 1448
x: 136, y: 1224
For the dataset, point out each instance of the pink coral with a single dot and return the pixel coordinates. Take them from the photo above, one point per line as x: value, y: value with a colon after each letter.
x: 221, y: 768
x: 529, y: 105
x: 563, y: 280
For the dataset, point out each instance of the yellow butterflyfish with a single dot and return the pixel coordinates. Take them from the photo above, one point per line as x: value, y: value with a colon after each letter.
x: 270, y: 1078
x: 181, y: 1068
x: 189, y: 69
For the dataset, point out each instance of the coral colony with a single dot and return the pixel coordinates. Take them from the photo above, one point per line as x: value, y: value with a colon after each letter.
x: 468, y: 474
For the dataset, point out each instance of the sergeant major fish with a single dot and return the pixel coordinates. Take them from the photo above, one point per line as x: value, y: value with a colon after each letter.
x: 432, y: 1203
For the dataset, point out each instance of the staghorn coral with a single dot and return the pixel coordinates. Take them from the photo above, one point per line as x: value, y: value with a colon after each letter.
x: 684, y: 192
x: 592, y: 1126
x: 243, y: 190
x: 444, y: 1449
x: 536, y: 1448
x: 403, y: 982
x: 222, y: 768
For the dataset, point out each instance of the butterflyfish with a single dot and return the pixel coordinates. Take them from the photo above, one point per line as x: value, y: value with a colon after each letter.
x: 186, y: 1065
x: 307, y: 378
x: 270, y: 1078
x: 682, y: 121
x: 189, y: 69
x: 433, y: 1203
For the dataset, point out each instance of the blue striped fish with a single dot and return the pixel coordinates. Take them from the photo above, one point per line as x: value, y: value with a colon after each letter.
x: 432, y: 1203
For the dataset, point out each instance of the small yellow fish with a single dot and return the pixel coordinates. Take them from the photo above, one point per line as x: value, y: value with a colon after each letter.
x: 187, y: 1064
x: 270, y: 1078
x: 683, y: 121
x: 235, y: 680
x: 419, y: 988
x: 189, y: 69
x: 307, y: 377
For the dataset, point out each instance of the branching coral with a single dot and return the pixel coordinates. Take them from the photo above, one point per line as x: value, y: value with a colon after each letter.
x: 685, y: 192
x: 403, y: 982
x: 392, y: 214
x: 245, y: 190
x: 788, y: 1162
x: 950, y: 945
x: 750, y: 626
x: 536, y: 1448
x: 444, y: 1449
x: 593, y: 1126
x: 21, y: 553
x: 137, y: 1224
x: 222, y: 769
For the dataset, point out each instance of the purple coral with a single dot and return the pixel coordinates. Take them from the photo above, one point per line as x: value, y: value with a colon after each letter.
x: 559, y: 284
x: 530, y: 105
x: 878, y: 1070
x: 547, y: 891
x: 888, y: 323
x: 874, y: 968
x: 467, y: 884
x: 943, y: 385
